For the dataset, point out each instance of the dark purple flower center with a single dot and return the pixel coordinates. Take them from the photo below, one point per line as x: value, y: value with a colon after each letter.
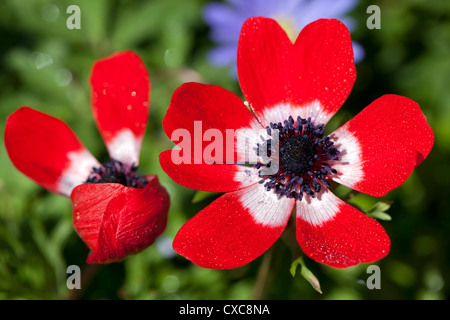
x: 113, y: 171
x: 304, y: 152
x: 297, y: 154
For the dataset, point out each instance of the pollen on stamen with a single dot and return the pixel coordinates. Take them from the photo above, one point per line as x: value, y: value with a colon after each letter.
x: 303, y: 158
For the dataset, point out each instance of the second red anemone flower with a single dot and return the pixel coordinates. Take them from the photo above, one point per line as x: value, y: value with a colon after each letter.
x: 115, y: 212
x: 294, y: 88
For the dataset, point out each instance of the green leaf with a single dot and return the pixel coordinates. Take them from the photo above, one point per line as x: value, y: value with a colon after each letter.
x: 294, y: 266
x: 380, y: 215
x: 378, y: 211
x: 305, y: 273
x: 382, y: 205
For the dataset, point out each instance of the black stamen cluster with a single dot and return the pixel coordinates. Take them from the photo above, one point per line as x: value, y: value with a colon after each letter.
x: 303, y: 155
x: 113, y: 171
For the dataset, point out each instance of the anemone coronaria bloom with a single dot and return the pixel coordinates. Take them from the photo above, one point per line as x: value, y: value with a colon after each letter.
x: 115, y: 212
x: 294, y: 89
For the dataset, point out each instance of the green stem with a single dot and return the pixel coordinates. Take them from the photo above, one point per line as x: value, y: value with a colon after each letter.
x: 263, y: 276
x: 289, y: 237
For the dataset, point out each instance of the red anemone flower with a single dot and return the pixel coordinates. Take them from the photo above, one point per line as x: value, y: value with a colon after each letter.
x: 115, y: 212
x: 294, y: 88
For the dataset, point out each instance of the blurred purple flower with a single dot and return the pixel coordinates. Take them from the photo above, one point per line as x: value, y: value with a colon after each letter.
x: 225, y: 20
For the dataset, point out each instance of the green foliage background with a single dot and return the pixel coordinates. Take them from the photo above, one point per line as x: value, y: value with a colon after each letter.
x: 46, y: 66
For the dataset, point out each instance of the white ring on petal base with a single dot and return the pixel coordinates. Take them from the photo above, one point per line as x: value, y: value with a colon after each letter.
x: 265, y: 207
x: 246, y: 176
x: 246, y: 140
x: 125, y: 147
x: 349, y: 166
x: 282, y: 111
x: 320, y: 209
x: 81, y: 164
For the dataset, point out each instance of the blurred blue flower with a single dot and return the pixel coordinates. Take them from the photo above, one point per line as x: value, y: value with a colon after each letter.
x: 226, y: 19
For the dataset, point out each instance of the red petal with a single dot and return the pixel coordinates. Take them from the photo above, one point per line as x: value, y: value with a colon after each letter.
x: 332, y: 232
x: 120, y: 97
x: 264, y: 52
x: 234, y: 229
x: 311, y: 78
x: 116, y: 221
x: 382, y: 144
x: 208, y: 177
x: 46, y: 150
x: 197, y: 109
